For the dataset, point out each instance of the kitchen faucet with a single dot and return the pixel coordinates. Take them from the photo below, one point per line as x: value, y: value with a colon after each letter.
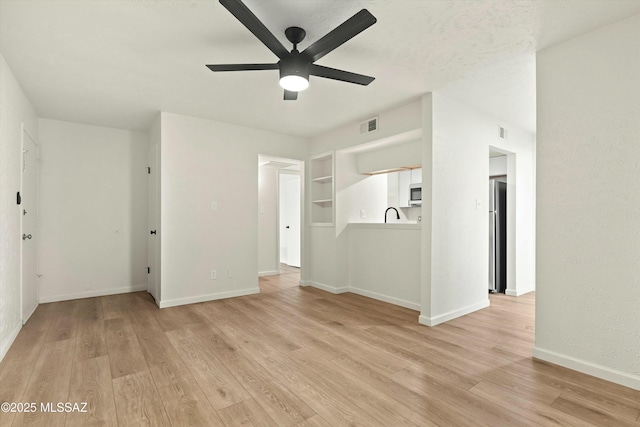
x: 385, y: 214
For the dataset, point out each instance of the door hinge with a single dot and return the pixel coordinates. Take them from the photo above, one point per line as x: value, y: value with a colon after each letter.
x: 148, y: 170
x: 148, y: 270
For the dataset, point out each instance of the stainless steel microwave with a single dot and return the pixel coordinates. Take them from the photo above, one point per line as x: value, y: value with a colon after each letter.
x: 415, y: 195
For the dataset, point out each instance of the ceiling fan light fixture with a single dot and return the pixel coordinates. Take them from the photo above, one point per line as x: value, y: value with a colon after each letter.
x: 294, y: 83
x: 294, y: 74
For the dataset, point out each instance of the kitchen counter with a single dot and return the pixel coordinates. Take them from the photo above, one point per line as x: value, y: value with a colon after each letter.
x: 389, y: 225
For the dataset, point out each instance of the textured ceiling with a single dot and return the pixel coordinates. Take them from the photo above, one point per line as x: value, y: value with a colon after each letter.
x: 117, y: 63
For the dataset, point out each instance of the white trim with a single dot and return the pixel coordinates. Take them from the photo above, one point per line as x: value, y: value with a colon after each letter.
x: 516, y: 293
x: 268, y: 273
x: 28, y: 316
x: 94, y: 293
x: 9, y: 343
x: 441, y: 318
x: 385, y: 298
x: 208, y: 297
x: 324, y: 287
x: 608, y: 374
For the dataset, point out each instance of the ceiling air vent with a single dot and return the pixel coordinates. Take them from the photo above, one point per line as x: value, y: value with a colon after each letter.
x: 503, y: 133
x: 369, y: 126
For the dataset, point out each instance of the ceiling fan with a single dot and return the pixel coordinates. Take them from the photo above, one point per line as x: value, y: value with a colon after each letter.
x: 295, y: 67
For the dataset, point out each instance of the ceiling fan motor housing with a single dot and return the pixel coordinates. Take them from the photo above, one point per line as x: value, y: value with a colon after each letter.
x: 294, y: 65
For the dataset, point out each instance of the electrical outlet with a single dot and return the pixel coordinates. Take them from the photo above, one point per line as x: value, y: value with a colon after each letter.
x: 229, y: 276
x: 363, y: 214
x: 214, y: 275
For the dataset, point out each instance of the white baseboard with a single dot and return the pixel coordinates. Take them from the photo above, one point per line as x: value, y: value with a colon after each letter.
x: 6, y: 346
x: 516, y: 293
x: 599, y: 371
x: 29, y: 314
x: 93, y: 293
x: 441, y: 318
x: 208, y: 297
x: 327, y: 288
x: 268, y: 273
x: 385, y: 298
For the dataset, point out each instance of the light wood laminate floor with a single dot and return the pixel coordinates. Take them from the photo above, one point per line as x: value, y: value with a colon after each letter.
x: 295, y: 356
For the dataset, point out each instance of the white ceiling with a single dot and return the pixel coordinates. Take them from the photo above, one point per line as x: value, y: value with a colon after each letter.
x: 117, y: 63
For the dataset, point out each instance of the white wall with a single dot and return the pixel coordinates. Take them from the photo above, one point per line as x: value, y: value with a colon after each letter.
x: 394, y: 156
x: 93, y: 210
x: 356, y: 193
x: 327, y: 248
x: 268, y: 257
x: 498, y: 166
x: 384, y: 263
x: 15, y: 109
x: 459, y: 147
x: 588, y: 229
x: 205, y: 161
x: 392, y: 123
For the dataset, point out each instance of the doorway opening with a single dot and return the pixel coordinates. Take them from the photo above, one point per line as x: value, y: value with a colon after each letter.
x: 501, y: 250
x: 280, y: 208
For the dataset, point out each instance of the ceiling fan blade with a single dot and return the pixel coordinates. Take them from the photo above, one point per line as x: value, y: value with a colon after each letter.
x: 342, y: 33
x: 290, y: 96
x: 345, y: 76
x: 242, y: 67
x: 253, y: 24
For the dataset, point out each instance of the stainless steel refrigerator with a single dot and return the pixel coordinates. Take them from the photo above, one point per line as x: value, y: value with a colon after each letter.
x: 497, y: 235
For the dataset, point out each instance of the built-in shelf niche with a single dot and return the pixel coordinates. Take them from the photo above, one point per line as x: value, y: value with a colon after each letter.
x: 322, y: 189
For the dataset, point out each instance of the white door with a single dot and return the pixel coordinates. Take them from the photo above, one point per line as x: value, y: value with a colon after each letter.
x: 29, y: 212
x: 152, y: 237
x: 290, y: 219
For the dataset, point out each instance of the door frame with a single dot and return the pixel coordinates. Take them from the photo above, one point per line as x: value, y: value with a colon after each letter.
x: 23, y: 131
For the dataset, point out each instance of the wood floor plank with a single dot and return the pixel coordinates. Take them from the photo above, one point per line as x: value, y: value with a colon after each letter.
x: 173, y: 318
x: 186, y: 405
x: 125, y: 355
x: 63, y: 327
x: 17, y: 366
x: 246, y: 413
x: 313, y: 389
x: 295, y: 355
x: 440, y: 413
x: 91, y: 339
x: 219, y: 385
x: 91, y: 384
x: 383, y: 408
x: 315, y: 421
x: 587, y: 411
x: 49, y: 383
x: 523, y: 404
x: 484, y: 412
x: 277, y: 400
x: 137, y: 401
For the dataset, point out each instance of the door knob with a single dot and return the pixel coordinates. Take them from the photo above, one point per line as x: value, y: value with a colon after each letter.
x: 26, y: 236
x: 153, y: 232
x: 287, y: 226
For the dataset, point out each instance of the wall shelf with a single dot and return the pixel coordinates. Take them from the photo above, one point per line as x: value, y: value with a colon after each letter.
x: 323, y: 179
x: 322, y: 189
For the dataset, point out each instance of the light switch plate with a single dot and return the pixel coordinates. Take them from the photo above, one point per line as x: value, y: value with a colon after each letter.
x: 214, y: 205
